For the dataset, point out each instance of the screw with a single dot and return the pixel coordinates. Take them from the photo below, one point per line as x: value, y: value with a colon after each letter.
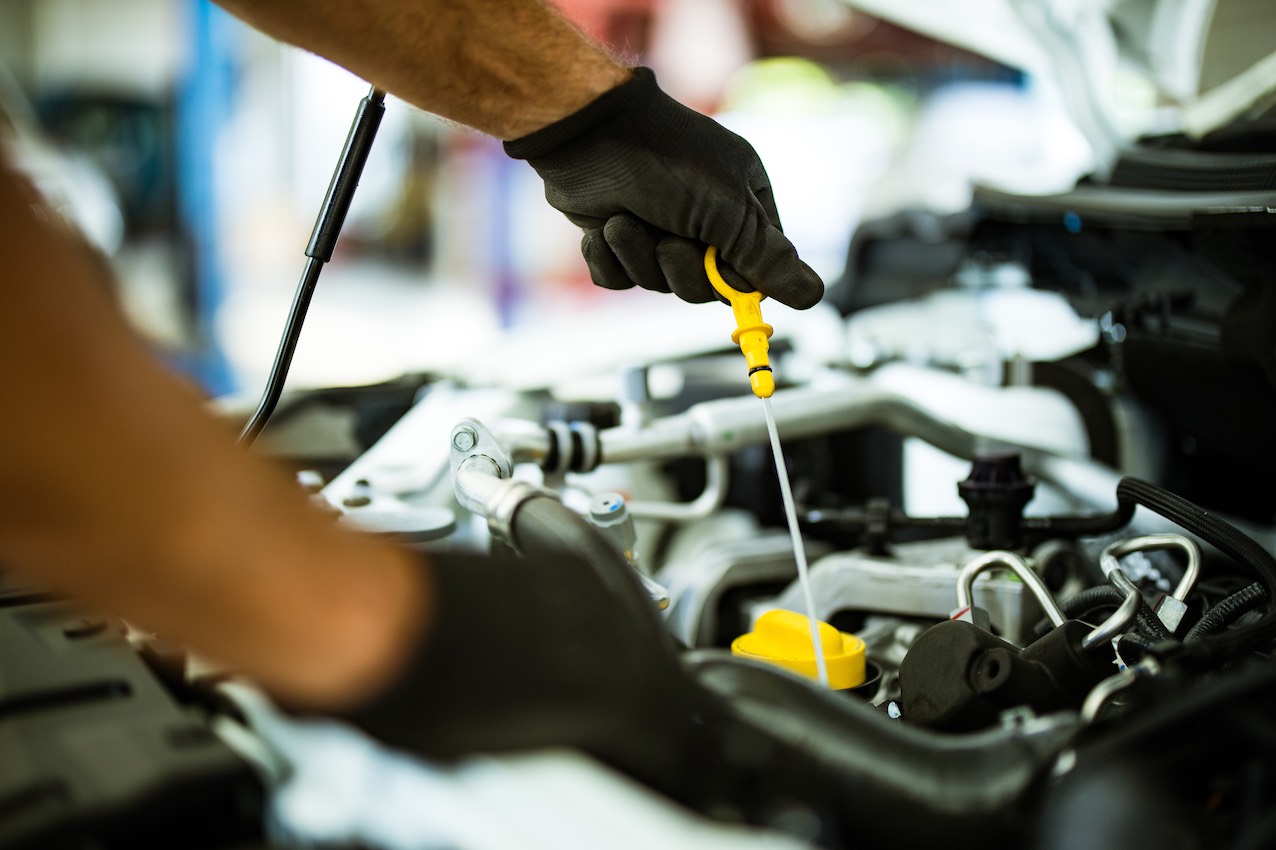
x: 464, y: 439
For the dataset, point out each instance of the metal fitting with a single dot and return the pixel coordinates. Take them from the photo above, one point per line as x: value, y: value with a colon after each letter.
x: 506, y: 502
x: 1172, y: 609
x: 1112, y: 555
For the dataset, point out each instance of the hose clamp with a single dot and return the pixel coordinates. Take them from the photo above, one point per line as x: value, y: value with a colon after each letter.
x: 505, y: 503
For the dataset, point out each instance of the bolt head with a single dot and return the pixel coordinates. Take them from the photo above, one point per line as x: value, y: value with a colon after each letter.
x: 464, y: 439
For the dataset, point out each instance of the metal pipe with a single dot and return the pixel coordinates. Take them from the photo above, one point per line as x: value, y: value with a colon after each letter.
x: 526, y: 442
x: 725, y: 425
x: 1017, y: 565
x: 481, y: 480
x: 1111, y: 686
x: 477, y: 483
x: 715, y: 491
x: 1110, y: 559
x: 1121, y: 618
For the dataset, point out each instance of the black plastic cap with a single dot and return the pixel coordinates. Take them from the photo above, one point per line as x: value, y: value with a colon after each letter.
x: 996, y: 493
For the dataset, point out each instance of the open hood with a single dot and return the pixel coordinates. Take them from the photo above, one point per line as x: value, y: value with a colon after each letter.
x: 1126, y: 68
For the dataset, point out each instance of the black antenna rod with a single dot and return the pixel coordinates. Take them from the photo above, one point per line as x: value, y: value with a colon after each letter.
x: 322, y: 241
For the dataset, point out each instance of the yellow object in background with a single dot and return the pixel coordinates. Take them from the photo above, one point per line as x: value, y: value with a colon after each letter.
x: 751, y: 333
x: 783, y: 638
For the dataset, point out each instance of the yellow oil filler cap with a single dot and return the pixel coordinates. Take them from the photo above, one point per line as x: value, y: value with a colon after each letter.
x: 783, y: 638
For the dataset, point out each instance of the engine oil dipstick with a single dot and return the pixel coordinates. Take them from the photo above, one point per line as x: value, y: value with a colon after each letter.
x: 751, y: 335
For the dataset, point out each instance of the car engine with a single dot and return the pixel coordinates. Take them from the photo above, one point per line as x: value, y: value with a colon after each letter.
x: 1031, y: 450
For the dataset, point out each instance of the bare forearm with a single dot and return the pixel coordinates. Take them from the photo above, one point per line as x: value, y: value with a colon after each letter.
x: 120, y: 490
x: 506, y: 67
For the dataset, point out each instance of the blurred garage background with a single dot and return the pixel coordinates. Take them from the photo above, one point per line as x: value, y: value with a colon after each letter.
x: 196, y: 152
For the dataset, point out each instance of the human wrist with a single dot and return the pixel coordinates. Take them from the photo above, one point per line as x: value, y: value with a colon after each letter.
x: 578, y: 91
x: 639, y: 87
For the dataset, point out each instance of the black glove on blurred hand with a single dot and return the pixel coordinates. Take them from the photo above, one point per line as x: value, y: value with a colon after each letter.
x: 653, y: 183
x: 543, y: 652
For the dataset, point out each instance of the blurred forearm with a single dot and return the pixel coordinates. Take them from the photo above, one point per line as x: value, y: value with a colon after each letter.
x: 119, y: 489
x: 506, y: 67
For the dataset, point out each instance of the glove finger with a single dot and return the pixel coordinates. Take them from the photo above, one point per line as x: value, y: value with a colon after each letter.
x: 733, y: 278
x: 757, y: 249
x: 768, y: 260
x: 682, y: 261
x: 766, y: 197
x: 585, y: 222
x: 604, y: 269
x: 633, y: 243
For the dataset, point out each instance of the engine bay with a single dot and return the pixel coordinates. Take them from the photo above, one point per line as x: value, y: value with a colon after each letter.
x: 1030, y: 449
x: 1046, y: 651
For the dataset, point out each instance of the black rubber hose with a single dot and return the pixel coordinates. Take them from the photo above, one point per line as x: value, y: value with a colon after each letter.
x: 536, y: 652
x: 1106, y: 596
x: 848, y: 762
x: 893, y: 784
x: 1228, y: 611
x: 1078, y: 606
x: 1081, y: 526
x: 1138, y: 641
x: 1150, y: 624
x: 1134, y: 492
x: 857, y: 521
x: 1172, y: 703
x: 1103, y: 595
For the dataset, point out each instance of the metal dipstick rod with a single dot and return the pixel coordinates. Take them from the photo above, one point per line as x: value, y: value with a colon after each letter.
x: 354, y: 155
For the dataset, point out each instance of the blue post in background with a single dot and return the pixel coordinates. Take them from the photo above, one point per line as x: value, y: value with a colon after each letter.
x: 204, y: 102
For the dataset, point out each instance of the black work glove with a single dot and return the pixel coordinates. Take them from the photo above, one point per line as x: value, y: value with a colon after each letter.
x: 543, y: 652
x: 653, y: 183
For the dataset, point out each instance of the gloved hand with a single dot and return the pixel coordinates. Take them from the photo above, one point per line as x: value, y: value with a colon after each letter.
x: 653, y: 183
x: 543, y: 652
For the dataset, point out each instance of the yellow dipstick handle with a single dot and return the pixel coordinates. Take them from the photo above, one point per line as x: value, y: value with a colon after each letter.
x: 751, y: 333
